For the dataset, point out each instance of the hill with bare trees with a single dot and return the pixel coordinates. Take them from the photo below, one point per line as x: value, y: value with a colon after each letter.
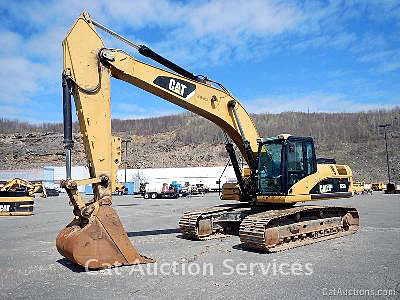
x: 188, y: 140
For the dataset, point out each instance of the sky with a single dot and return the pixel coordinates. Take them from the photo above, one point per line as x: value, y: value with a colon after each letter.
x: 274, y: 56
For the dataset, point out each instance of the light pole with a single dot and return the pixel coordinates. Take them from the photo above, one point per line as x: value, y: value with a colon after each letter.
x: 126, y: 154
x: 387, y: 154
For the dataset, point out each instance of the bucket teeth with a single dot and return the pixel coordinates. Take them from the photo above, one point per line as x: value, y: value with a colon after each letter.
x: 101, y: 243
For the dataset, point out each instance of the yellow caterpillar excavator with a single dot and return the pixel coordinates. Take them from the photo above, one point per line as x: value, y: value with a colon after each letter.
x: 16, y: 197
x: 18, y: 184
x: 281, y: 170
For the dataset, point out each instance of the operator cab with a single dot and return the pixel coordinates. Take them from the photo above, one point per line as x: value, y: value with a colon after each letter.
x: 282, y: 161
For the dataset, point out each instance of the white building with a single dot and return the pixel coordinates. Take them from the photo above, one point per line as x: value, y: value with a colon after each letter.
x: 194, y: 175
x: 79, y: 172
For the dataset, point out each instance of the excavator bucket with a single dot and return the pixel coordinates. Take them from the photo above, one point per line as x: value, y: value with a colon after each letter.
x: 101, y: 243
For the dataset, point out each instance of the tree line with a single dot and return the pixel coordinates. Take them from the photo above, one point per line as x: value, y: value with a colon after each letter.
x: 193, y: 129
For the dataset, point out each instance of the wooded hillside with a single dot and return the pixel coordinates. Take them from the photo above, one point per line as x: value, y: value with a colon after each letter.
x: 189, y: 140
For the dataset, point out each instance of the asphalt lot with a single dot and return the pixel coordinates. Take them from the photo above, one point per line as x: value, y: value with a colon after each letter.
x: 366, y: 263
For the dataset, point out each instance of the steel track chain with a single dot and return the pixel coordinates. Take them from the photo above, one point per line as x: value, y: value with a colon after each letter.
x: 189, y: 221
x: 252, y: 229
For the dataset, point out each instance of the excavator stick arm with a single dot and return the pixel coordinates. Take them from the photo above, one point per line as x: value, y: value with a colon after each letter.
x: 95, y: 238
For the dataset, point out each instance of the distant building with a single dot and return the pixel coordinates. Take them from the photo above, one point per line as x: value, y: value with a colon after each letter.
x: 51, y: 176
x: 45, y: 174
x: 192, y: 175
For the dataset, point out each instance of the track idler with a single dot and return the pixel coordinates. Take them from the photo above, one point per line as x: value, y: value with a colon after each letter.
x: 98, y: 240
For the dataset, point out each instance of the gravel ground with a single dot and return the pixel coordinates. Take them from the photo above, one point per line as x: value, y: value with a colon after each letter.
x: 366, y: 263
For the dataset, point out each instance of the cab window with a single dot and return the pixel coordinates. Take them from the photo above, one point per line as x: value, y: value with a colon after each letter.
x: 310, y: 163
x: 300, y: 161
x: 295, y: 157
x: 269, y: 168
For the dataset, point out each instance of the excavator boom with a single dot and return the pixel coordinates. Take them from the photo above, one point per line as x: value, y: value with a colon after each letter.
x: 92, y: 78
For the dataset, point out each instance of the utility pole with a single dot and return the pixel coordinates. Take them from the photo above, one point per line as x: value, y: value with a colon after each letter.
x: 386, y: 145
x: 126, y: 154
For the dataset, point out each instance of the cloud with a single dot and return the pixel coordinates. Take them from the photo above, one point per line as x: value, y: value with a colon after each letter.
x: 20, y: 79
x: 386, y: 61
x: 129, y: 110
x: 11, y: 42
x: 251, y: 18
x: 219, y: 17
x: 219, y: 31
x: 337, y: 41
x: 30, y: 63
x: 28, y: 112
x: 142, y: 113
x: 183, y: 24
x: 192, y: 33
x: 316, y: 102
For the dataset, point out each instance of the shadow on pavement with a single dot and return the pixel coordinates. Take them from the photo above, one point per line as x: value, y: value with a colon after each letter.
x: 153, y: 232
x: 242, y: 247
x: 70, y: 265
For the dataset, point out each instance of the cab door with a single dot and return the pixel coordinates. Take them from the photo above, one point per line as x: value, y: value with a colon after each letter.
x: 300, y: 159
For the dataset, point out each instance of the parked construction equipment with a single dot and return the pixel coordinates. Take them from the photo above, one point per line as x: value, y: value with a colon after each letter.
x: 282, y: 170
x: 16, y: 203
x: 358, y: 187
x: 368, y: 188
x: 378, y: 186
x: 361, y: 188
x: 21, y: 185
x: 156, y: 190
